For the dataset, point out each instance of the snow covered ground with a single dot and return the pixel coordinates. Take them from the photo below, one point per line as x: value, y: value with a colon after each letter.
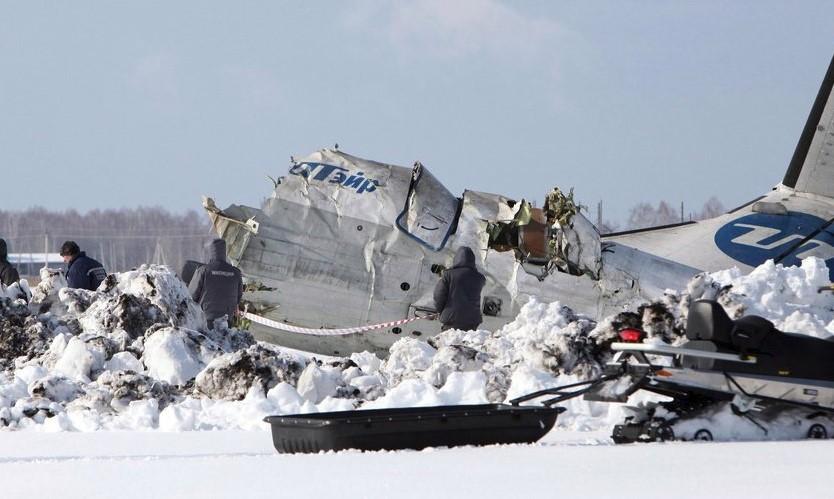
x: 243, y: 464
x: 124, y: 392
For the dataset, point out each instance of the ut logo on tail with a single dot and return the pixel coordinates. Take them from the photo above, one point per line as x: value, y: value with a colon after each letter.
x: 786, y: 239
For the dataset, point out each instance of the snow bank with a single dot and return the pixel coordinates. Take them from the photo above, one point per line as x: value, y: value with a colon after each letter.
x: 136, y: 354
x: 788, y: 296
x: 110, y: 358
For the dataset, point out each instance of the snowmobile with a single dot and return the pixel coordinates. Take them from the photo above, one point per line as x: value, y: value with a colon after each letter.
x: 781, y: 383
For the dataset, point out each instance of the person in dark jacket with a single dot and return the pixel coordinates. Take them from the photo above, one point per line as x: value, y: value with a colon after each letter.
x: 217, y: 286
x: 82, y: 271
x: 457, y: 296
x: 8, y: 274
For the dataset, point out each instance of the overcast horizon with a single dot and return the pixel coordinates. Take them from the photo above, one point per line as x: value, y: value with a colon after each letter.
x: 154, y: 104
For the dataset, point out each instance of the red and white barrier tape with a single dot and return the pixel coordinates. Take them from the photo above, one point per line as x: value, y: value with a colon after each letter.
x: 328, y: 332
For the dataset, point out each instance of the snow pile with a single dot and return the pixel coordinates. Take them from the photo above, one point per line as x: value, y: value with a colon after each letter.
x: 547, y: 345
x: 788, y: 296
x: 543, y: 342
x: 115, y: 357
x: 136, y: 354
x: 232, y: 376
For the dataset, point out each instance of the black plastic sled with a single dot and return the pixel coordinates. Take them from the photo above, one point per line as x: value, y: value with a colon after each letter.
x: 411, y: 428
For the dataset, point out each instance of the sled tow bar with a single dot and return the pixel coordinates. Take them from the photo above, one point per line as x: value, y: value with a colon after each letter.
x: 563, y: 393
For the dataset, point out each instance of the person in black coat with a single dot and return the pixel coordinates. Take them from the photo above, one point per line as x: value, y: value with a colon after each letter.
x: 457, y: 296
x: 8, y: 274
x: 82, y: 271
x: 217, y: 286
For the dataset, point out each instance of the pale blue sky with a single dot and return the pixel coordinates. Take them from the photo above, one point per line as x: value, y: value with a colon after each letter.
x: 110, y: 104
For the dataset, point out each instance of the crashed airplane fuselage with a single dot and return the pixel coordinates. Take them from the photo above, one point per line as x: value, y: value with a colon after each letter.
x: 345, y: 241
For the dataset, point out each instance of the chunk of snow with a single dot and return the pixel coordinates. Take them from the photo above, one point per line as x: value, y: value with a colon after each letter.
x: 464, y: 388
x: 172, y: 355
x: 285, y: 398
x: 76, y: 361
x: 124, y: 361
x: 315, y: 384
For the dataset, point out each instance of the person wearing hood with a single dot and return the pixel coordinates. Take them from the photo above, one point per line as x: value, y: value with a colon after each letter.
x: 82, y: 271
x: 8, y: 274
x: 217, y: 286
x: 457, y: 296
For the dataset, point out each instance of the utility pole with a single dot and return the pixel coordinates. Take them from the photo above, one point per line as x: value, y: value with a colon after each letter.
x: 681, y: 211
x: 45, y: 245
x: 599, y: 215
x: 159, y: 254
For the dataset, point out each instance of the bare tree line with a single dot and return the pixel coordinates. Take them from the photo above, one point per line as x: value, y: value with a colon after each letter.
x: 643, y: 215
x: 126, y: 238
x: 121, y: 239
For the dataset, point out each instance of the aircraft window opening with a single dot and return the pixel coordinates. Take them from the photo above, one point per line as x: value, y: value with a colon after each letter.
x: 359, y: 228
x: 397, y: 330
x: 405, y: 286
x: 416, y: 333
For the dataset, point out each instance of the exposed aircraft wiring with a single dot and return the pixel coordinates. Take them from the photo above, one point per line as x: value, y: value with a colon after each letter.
x: 329, y: 332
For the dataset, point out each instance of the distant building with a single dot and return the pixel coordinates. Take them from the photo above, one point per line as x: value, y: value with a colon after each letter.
x: 29, y: 264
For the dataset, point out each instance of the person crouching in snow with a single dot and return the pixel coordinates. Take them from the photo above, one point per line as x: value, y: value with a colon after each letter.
x: 457, y: 296
x: 82, y: 271
x: 217, y: 286
x: 8, y: 274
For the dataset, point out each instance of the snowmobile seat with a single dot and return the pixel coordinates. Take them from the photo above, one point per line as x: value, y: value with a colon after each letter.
x: 777, y: 353
x: 708, y: 321
x: 798, y: 355
x: 750, y: 332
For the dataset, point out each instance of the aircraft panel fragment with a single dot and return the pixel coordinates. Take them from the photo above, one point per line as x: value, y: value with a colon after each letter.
x: 430, y: 211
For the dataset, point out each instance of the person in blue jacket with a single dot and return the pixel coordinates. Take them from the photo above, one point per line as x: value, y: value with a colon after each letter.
x: 82, y: 271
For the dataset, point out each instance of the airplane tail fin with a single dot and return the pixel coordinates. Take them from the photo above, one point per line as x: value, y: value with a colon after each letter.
x: 812, y: 166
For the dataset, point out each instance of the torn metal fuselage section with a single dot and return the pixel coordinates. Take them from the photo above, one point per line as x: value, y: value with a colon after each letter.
x: 236, y: 226
x: 345, y: 241
x: 556, y: 237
